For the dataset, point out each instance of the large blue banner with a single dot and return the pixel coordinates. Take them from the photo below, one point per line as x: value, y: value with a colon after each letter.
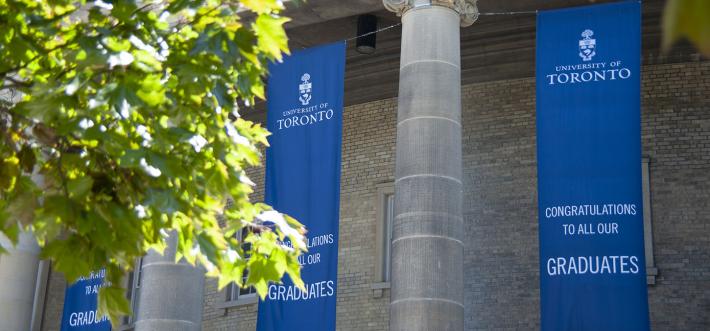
x: 592, y: 274
x: 305, y: 105
x: 80, y: 305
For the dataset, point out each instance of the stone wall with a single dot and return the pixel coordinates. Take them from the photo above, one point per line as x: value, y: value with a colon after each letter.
x: 500, y: 207
x: 367, y: 160
x: 54, y: 302
x: 676, y: 137
x: 501, y: 281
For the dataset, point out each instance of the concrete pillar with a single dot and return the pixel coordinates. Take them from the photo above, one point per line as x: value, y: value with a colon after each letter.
x: 171, y: 293
x: 18, y: 278
x: 427, y: 244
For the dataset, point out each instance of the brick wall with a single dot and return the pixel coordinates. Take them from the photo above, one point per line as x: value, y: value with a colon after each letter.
x: 501, y: 280
x: 367, y: 159
x: 676, y: 137
x: 500, y: 207
x: 54, y: 302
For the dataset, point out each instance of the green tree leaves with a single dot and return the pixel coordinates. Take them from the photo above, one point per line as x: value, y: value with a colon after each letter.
x: 687, y: 19
x: 129, y: 129
x: 271, y: 35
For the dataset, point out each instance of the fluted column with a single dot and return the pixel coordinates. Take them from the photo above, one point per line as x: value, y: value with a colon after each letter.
x: 427, y: 243
x: 171, y: 293
x: 18, y: 279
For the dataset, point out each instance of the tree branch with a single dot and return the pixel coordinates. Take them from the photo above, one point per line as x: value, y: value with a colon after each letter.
x: 62, y: 175
x: 42, y: 52
x: 11, y: 86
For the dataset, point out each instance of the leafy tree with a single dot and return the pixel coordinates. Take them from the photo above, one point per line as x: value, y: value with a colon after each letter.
x: 129, y: 129
x: 687, y: 19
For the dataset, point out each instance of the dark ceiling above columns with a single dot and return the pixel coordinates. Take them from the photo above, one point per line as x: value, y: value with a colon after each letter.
x: 316, y: 11
x: 494, y: 48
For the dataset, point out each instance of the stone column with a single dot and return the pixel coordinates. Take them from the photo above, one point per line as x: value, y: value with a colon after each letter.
x: 427, y: 246
x: 171, y: 293
x: 18, y: 279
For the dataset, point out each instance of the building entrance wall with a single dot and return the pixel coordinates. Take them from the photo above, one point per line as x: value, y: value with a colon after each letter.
x: 501, y: 284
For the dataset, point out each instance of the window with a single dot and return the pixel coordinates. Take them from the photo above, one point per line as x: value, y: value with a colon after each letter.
x: 387, y: 244
x: 383, y: 245
x: 233, y: 294
x: 133, y: 284
x: 651, y: 270
x: 40, y: 294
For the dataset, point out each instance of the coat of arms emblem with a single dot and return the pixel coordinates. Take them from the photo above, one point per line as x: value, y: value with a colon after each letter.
x: 304, y: 89
x: 587, y: 45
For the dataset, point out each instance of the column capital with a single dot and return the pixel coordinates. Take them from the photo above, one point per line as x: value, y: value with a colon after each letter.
x: 467, y: 9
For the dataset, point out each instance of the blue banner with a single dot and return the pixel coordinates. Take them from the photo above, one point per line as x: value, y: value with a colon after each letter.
x: 305, y: 105
x: 80, y: 305
x: 592, y: 268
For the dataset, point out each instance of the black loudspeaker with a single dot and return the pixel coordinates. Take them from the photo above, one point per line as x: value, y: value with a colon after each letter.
x: 366, y: 27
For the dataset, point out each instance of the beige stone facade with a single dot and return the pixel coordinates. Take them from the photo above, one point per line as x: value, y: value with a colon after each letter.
x: 501, y: 252
x: 501, y: 282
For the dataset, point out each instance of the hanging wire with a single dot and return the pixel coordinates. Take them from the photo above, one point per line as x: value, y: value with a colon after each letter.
x: 510, y: 13
x: 373, y: 32
x: 528, y: 12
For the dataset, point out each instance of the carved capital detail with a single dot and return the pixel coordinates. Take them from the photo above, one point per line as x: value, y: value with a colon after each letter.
x: 467, y: 9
